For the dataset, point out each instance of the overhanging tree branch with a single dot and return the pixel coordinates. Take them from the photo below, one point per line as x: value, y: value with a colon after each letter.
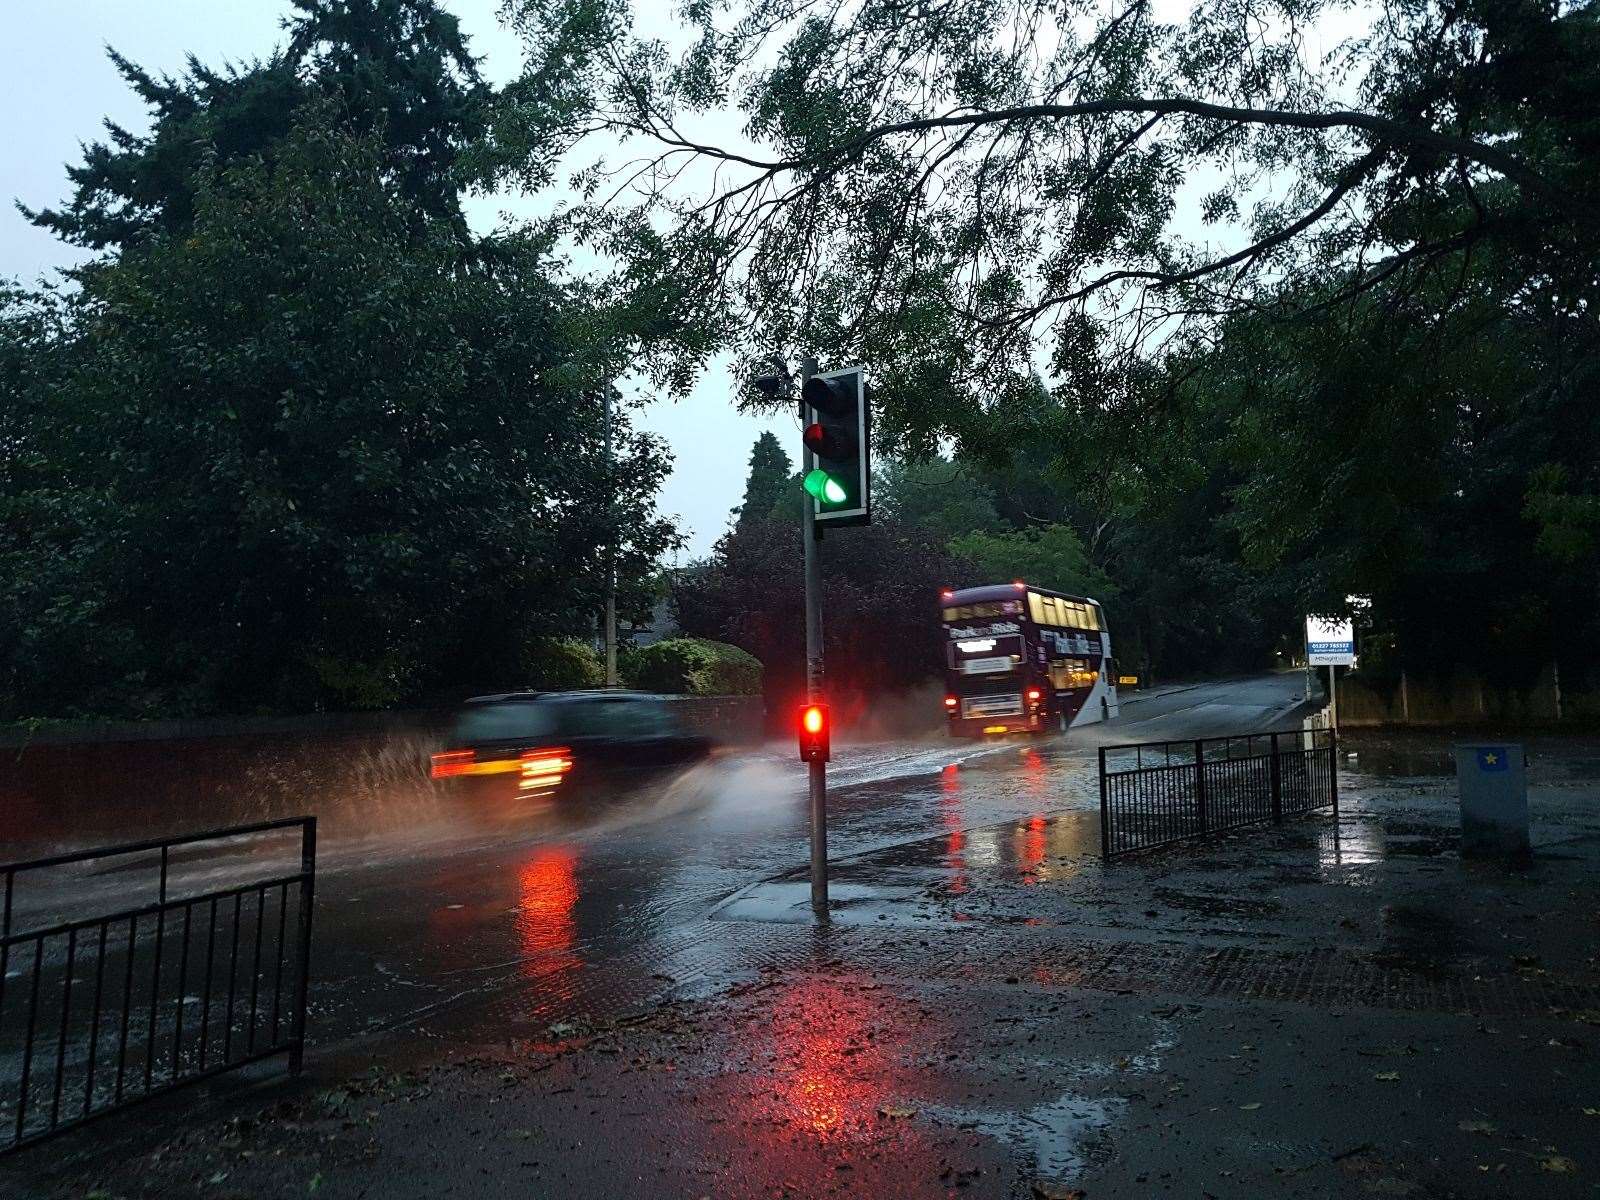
x: 1383, y: 129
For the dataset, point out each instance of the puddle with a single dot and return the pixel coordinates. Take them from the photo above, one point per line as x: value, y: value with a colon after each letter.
x: 1064, y: 1137
x: 1217, y: 906
x: 1418, y: 847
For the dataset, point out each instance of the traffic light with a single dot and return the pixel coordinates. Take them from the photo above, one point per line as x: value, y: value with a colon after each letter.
x: 837, y: 459
x: 814, y: 727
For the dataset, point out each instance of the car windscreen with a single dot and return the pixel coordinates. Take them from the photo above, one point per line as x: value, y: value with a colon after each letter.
x: 497, y: 722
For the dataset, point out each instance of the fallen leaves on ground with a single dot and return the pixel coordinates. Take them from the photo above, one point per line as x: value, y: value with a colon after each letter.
x: 1387, y: 1076
x: 1043, y: 1190
x: 1475, y: 1127
x: 1558, y: 1164
x: 894, y: 1112
x: 1250, y: 1107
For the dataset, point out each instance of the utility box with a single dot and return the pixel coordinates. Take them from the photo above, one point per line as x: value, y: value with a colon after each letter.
x: 1494, y: 800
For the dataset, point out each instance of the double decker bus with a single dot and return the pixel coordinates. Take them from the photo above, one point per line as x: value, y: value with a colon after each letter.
x: 1020, y: 659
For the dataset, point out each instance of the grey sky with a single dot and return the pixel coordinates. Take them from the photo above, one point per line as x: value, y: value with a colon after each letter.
x: 62, y: 86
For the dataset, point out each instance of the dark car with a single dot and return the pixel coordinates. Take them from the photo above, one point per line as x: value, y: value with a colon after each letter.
x: 542, y: 737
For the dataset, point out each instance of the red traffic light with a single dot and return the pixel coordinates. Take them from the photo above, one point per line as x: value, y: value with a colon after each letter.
x: 827, y: 443
x: 813, y: 726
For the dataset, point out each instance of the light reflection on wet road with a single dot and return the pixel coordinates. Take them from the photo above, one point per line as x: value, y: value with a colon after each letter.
x: 464, y: 900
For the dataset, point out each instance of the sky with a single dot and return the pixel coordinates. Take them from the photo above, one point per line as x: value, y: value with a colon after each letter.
x: 62, y: 86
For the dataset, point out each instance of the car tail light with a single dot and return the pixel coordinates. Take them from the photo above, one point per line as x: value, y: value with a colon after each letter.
x: 544, y: 768
x: 1034, y: 694
x: 950, y: 702
x: 453, y: 762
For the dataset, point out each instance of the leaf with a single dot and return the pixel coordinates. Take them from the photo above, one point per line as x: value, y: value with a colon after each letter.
x: 1044, y: 1190
x: 316, y: 1182
x: 1250, y: 1107
x: 1388, y: 1076
x: 1556, y: 1164
x: 896, y: 1113
x: 1475, y: 1127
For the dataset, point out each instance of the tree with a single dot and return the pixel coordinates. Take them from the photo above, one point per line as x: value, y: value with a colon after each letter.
x: 301, y: 457
x: 941, y: 188
x: 1052, y: 557
x: 1433, y: 471
x: 941, y: 497
x: 881, y: 585
x: 770, y: 471
x: 397, y: 70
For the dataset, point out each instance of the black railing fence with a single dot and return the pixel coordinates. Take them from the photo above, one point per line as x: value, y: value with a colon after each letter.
x: 1157, y: 793
x: 180, y: 980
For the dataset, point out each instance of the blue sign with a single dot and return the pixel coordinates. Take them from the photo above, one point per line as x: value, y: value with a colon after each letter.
x: 1493, y: 758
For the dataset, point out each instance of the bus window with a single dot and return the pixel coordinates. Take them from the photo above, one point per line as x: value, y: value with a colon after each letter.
x: 1068, y: 673
x: 1036, y: 608
x: 1077, y: 614
x: 987, y: 608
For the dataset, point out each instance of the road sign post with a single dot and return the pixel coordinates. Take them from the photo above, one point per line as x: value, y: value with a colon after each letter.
x: 1330, y: 642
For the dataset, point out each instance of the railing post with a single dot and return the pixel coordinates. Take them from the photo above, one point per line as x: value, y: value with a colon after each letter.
x: 1333, y: 769
x: 308, y: 870
x: 1277, y: 784
x: 1200, y: 783
x: 1105, y: 812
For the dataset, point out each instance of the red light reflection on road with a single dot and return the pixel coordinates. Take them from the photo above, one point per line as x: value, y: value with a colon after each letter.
x: 547, y: 886
x: 955, y: 837
x: 1030, y: 849
x: 831, y: 1067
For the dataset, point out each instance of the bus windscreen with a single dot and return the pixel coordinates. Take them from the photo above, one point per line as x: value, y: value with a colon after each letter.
x: 986, y: 655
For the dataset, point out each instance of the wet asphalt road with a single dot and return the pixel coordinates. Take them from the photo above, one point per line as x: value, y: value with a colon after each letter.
x: 484, y: 898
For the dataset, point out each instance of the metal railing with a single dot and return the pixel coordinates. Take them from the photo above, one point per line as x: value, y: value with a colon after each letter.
x: 104, y: 1010
x: 1158, y: 793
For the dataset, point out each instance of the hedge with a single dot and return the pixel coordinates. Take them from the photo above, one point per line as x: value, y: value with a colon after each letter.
x: 553, y: 664
x: 693, y: 667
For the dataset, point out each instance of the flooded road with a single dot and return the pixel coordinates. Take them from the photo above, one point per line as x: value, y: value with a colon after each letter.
x: 428, y: 897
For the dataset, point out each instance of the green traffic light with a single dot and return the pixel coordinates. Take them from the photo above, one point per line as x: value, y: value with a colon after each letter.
x: 824, y: 487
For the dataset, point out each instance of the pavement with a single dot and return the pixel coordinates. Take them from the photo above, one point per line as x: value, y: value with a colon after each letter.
x: 1340, y: 1006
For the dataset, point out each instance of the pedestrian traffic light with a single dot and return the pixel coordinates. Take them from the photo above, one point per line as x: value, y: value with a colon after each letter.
x: 837, y: 458
x: 813, y: 726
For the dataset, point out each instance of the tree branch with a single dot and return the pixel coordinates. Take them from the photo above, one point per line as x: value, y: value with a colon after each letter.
x: 1383, y: 129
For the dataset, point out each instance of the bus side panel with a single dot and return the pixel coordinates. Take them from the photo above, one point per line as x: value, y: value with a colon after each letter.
x: 1099, y: 703
x: 1070, y: 708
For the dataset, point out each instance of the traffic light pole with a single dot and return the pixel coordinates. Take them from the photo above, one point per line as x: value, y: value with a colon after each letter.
x: 811, y: 533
